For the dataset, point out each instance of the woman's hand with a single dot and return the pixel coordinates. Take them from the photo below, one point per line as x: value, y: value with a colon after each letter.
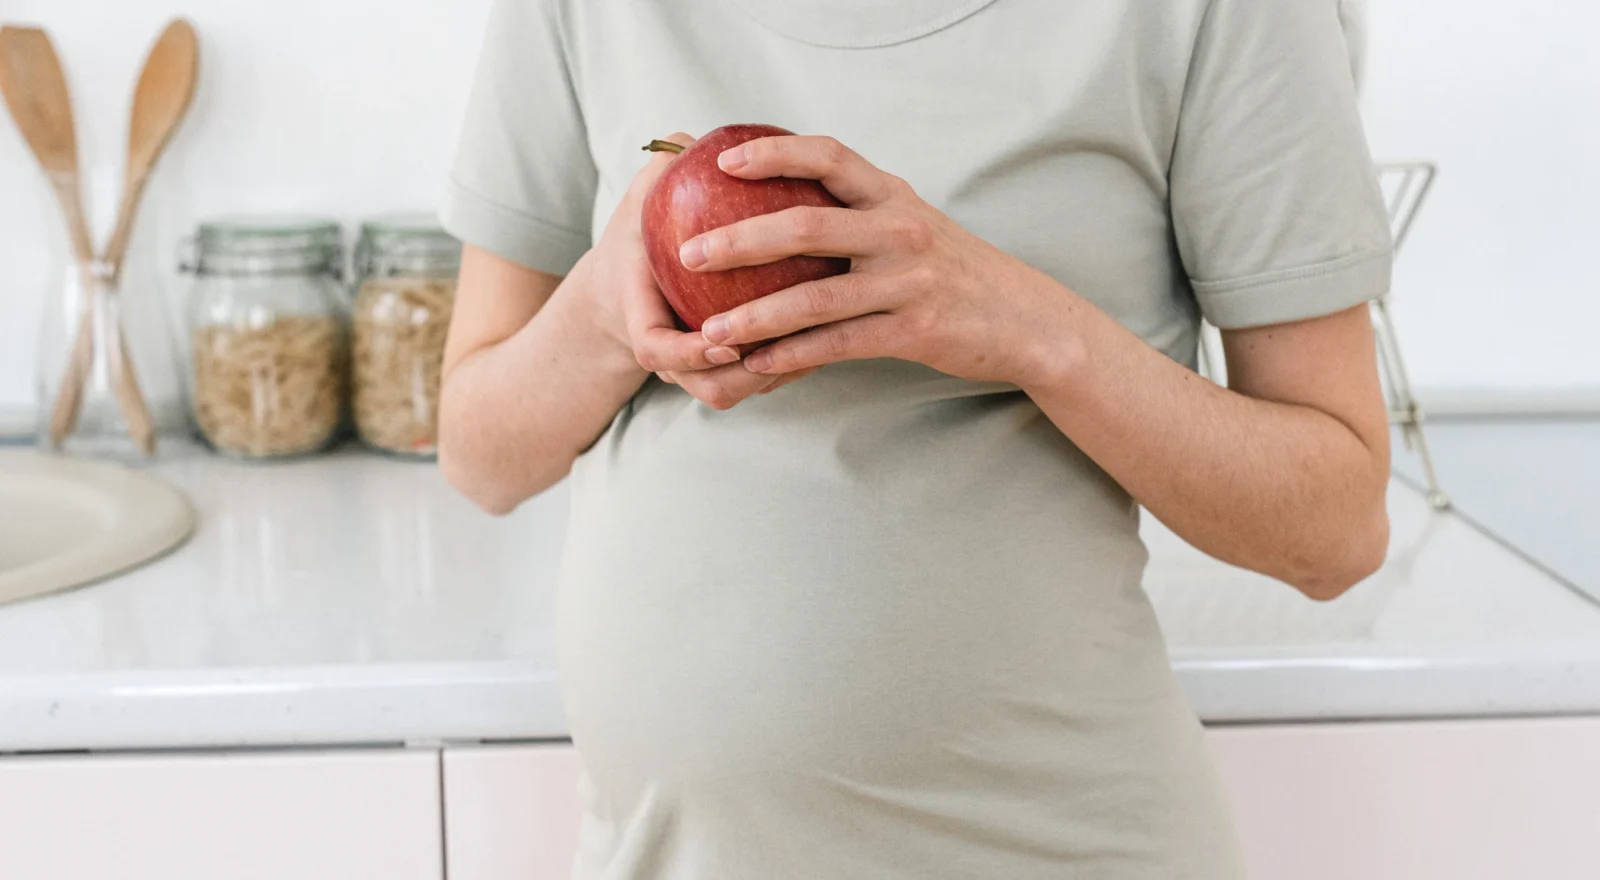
x: 920, y: 287
x: 646, y: 324
x: 616, y: 274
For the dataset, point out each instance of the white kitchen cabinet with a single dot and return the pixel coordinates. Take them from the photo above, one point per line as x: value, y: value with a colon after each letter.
x: 1470, y: 800
x: 511, y: 812
x: 1377, y: 801
x: 208, y: 816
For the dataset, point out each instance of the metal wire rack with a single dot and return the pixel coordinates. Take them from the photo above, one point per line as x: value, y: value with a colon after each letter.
x: 1405, y: 187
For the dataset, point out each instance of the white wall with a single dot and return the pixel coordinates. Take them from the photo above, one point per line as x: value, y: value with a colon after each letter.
x: 1497, y: 285
x: 349, y: 107
x: 339, y: 107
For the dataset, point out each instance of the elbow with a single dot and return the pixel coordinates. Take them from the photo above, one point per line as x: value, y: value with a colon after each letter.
x: 471, y: 480
x: 485, y: 485
x: 1356, y: 556
x: 469, y: 461
x: 494, y: 505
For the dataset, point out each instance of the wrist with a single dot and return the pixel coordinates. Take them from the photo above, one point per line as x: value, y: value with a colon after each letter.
x: 1054, y: 346
x: 583, y: 301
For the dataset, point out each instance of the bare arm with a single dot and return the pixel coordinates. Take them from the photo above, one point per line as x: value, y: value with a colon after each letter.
x: 532, y: 376
x: 537, y: 366
x: 1284, y: 473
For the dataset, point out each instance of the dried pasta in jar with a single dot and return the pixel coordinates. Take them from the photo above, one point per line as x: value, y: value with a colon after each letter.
x: 399, y: 329
x: 272, y: 389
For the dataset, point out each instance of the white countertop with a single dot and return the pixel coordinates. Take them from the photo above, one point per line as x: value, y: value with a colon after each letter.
x: 354, y: 599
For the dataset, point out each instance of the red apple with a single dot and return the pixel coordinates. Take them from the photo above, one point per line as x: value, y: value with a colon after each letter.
x: 693, y: 196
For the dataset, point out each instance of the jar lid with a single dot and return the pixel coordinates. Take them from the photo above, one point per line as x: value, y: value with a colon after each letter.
x: 266, y: 244
x: 404, y: 244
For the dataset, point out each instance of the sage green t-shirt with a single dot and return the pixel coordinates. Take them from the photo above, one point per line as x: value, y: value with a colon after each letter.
x: 884, y: 622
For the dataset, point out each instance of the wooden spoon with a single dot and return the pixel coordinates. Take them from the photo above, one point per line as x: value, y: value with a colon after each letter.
x: 160, y: 100
x: 162, y: 97
x: 36, y: 92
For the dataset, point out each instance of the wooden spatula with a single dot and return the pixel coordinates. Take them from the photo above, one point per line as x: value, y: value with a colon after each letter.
x: 35, y: 90
x: 162, y: 97
x: 160, y: 100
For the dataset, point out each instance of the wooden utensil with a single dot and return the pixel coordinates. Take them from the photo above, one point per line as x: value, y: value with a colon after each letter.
x: 35, y: 90
x: 160, y: 100
x: 36, y: 93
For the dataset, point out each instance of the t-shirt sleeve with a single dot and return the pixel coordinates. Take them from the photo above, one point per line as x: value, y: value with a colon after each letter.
x: 523, y: 182
x: 1275, y: 202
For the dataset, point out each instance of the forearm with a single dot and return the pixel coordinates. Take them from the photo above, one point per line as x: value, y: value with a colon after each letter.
x: 1276, y: 487
x: 515, y: 415
x: 1286, y: 475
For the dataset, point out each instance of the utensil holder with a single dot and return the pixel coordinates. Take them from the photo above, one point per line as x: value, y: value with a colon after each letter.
x: 127, y: 322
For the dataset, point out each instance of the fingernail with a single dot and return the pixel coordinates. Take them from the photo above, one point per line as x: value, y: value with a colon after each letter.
x: 693, y: 253
x: 734, y: 158
x: 721, y: 354
x: 715, y: 330
x: 760, y: 362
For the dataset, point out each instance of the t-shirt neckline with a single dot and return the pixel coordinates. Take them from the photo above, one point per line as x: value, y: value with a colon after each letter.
x: 858, y: 24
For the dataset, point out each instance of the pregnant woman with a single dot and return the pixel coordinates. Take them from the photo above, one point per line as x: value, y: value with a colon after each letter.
x: 866, y: 602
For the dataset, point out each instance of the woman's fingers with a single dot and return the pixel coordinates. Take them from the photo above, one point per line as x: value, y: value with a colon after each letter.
x: 724, y: 387
x: 800, y: 307
x: 767, y: 238
x: 852, y: 179
x: 869, y: 336
x: 658, y: 163
x: 786, y: 378
x: 682, y: 139
x: 646, y: 177
x: 658, y: 344
x: 666, y: 349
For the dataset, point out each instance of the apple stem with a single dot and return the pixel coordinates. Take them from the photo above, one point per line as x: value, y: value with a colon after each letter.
x: 663, y: 147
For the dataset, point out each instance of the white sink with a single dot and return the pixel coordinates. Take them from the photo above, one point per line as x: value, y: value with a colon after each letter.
x: 65, y: 522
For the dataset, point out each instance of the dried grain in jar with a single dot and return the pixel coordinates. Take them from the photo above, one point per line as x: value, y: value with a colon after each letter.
x: 407, y: 268
x: 267, y: 344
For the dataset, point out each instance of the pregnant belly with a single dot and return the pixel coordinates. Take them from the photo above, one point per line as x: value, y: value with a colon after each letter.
x: 844, y: 584
x: 699, y: 649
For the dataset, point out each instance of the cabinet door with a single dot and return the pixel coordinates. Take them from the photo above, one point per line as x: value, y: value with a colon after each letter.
x: 1382, y: 801
x: 511, y: 812
x: 1415, y: 801
x: 240, y: 816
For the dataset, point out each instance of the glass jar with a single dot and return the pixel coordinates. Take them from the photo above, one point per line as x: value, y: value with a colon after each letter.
x: 96, y: 360
x: 405, y: 268
x: 107, y: 383
x: 267, y: 335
